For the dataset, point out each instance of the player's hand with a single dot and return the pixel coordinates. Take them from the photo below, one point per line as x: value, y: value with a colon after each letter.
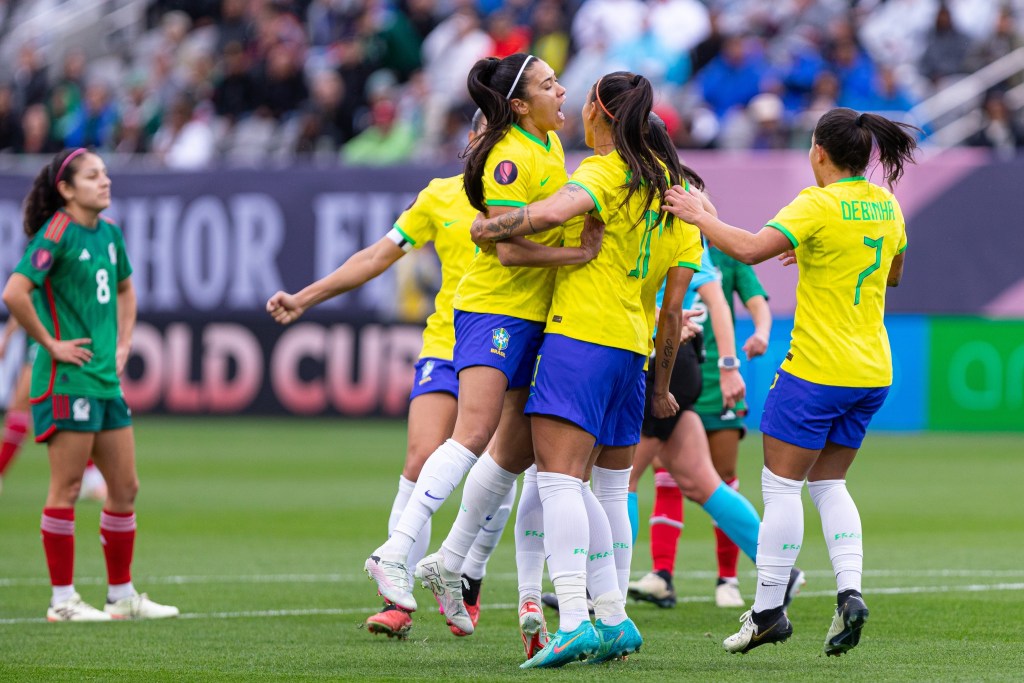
x: 755, y: 346
x: 788, y: 257
x: 71, y: 351
x: 284, y: 308
x: 689, y: 329
x: 664, y: 405
x: 687, y: 206
x: 476, y: 233
x: 591, y: 237
x: 733, y: 387
x: 121, y: 357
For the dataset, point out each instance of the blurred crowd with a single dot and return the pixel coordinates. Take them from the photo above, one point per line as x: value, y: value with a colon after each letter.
x: 246, y: 82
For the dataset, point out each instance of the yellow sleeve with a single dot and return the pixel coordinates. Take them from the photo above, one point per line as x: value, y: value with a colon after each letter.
x: 418, y: 223
x: 600, y: 181
x: 691, y: 248
x: 507, y: 181
x: 800, y: 219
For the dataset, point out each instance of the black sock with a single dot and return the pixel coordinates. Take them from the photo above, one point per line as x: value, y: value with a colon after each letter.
x: 767, y: 617
x: 472, y: 591
x: 664, y: 573
x: 846, y: 595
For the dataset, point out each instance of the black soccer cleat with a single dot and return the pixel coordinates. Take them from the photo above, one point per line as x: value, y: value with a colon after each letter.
x: 844, y: 634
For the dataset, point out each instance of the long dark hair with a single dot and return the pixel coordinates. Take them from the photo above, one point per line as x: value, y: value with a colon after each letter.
x: 848, y: 138
x: 624, y: 100
x: 663, y: 148
x: 490, y: 82
x: 43, y: 200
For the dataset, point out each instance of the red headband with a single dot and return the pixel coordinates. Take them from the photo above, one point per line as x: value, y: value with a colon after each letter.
x: 64, y: 165
x: 597, y: 94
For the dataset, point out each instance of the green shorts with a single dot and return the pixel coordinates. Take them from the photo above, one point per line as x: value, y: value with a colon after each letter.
x: 715, y: 422
x: 78, y: 414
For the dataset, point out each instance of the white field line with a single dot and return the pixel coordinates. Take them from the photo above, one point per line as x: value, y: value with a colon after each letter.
x: 348, y: 577
x: 264, y: 614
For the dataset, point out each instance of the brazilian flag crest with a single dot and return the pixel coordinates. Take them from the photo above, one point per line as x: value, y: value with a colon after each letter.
x: 499, y: 338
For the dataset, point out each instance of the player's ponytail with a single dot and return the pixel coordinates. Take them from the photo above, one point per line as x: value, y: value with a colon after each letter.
x: 624, y: 100
x: 663, y: 148
x: 849, y: 137
x: 43, y: 200
x: 493, y: 83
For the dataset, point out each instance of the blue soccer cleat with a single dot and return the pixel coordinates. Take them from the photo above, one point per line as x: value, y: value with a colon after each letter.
x: 616, y: 641
x: 563, y: 648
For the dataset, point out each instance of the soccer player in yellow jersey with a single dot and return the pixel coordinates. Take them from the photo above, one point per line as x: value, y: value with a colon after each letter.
x: 585, y: 388
x: 849, y: 238
x: 499, y: 313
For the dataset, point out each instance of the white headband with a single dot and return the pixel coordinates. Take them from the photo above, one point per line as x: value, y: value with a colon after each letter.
x: 518, y: 76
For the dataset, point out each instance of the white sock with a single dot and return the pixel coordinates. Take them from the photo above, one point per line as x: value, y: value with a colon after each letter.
x: 486, y: 487
x: 602, y: 579
x: 120, y: 591
x: 840, y: 522
x: 566, y: 538
x: 62, y: 593
x: 475, y: 566
x: 612, y: 488
x: 529, y: 530
x: 441, y: 473
x: 610, y: 608
x: 422, y: 542
x: 779, y: 539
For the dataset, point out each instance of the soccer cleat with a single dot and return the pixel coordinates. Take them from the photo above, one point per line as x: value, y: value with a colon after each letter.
x: 844, y: 634
x: 752, y: 635
x: 392, y: 621
x: 533, y: 628
x: 139, y: 606
x: 727, y: 594
x: 392, y: 581
x: 797, y: 579
x: 616, y: 641
x: 653, y: 587
x: 93, y: 487
x: 551, y: 600
x: 73, y: 609
x: 471, y: 599
x: 447, y: 588
x: 564, y: 647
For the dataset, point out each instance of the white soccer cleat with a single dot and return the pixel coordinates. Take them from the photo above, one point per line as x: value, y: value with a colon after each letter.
x: 139, y: 606
x: 392, y: 581
x: 73, y: 609
x: 94, y: 486
x: 653, y: 588
x: 752, y: 635
x: 447, y: 588
x: 727, y: 594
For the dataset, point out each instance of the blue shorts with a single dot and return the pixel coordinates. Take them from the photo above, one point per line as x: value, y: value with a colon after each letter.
x: 599, y: 388
x: 497, y: 341
x: 807, y: 415
x: 434, y: 375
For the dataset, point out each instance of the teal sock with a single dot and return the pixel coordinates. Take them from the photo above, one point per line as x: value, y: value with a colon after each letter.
x: 634, y: 514
x: 736, y: 517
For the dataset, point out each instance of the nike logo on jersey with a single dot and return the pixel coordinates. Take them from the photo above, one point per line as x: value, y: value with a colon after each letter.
x: 84, y: 256
x: 447, y: 223
x: 545, y: 181
x: 432, y: 497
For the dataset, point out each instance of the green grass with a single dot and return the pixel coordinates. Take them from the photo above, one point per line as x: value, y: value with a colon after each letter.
x: 241, y: 518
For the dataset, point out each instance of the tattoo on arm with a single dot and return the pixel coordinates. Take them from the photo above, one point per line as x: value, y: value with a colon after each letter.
x: 667, y: 353
x: 502, y: 226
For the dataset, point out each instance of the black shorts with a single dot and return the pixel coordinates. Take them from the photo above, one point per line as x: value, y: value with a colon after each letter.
x: 685, y: 385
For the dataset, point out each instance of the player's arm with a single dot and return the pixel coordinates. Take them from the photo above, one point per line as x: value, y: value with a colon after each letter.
x: 10, y: 327
x: 733, y: 387
x: 360, y: 268
x: 896, y: 270
x: 127, y: 313
x: 746, y: 247
x: 519, y: 251
x: 667, y: 340
x: 571, y: 200
x: 18, y: 299
x: 757, y: 343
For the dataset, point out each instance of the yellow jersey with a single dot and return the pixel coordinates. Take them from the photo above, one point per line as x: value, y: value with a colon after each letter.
x: 666, y: 247
x: 846, y: 236
x: 443, y: 215
x: 599, y: 302
x: 520, y: 169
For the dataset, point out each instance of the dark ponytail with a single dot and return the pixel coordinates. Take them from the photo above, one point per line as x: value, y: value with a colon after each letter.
x: 663, y: 148
x: 490, y: 82
x: 624, y: 100
x: 43, y: 200
x: 849, y: 137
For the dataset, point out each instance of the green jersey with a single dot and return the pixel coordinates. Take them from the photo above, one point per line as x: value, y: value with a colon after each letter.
x: 737, y: 278
x: 76, y: 270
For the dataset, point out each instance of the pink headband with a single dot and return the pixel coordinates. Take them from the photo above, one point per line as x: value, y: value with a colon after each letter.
x: 597, y: 94
x: 64, y: 165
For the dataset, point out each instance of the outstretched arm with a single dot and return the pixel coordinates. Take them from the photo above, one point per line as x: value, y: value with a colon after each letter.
x: 570, y: 200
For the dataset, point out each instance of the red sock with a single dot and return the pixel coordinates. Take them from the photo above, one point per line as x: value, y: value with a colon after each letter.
x: 58, y: 527
x: 90, y: 463
x: 666, y: 521
x: 728, y: 552
x: 117, y: 533
x: 15, y: 427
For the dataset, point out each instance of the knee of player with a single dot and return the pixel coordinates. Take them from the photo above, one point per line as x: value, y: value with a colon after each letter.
x: 126, y: 492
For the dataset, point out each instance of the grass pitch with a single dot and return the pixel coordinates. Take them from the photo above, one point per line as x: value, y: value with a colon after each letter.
x: 257, y: 530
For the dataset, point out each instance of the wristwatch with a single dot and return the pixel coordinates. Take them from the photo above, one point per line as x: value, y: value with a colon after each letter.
x: 729, y: 363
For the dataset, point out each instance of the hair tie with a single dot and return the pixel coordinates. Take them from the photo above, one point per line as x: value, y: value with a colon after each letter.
x: 64, y: 164
x: 518, y: 76
x: 597, y: 94
x: 860, y: 120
